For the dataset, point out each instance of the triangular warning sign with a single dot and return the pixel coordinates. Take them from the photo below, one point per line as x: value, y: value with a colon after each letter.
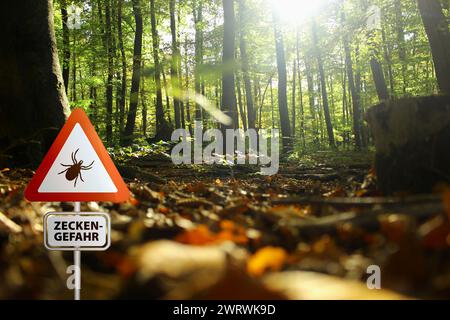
x: 77, y: 167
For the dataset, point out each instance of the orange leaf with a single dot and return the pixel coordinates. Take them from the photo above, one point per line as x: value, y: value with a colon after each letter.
x: 201, y: 235
x: 197, y: 236
x: 267, y: 258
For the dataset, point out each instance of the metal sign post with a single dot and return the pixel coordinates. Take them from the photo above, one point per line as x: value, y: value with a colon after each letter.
x: 77, y: 262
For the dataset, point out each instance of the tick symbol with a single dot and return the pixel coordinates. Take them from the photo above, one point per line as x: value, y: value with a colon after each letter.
x: 74, y: 170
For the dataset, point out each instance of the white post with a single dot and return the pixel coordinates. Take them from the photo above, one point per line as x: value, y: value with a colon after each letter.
x: 77, y: 262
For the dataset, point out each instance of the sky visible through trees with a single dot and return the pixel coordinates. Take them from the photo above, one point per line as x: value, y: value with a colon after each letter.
x: 308, y: 68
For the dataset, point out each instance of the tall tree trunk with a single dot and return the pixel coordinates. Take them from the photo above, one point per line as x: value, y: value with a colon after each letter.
x: 353, y: 91
x: 294, y: 75
x: 127, y: 137
x: 186, y: 65
x: 74, y: 70
x: 166, y: 94
x: 243, y: 11
x: 282, y: 84
x: 323, y: 87
x: 143, y: 103
x: 66, y: 45
x: 228, y: 62
x: 109, y: 81
x: 302, y: 110
x: 401, y: 41
x: 240, y: 103
x: 162, y: 127
x: 198, y: 20
x: 436, y: 27
x: 378, y: 78
x: 311, y: 99
x: 174, y: 73
x: 123, y: 85
x: 33, y: 104
x: 272, y: 107
x: 387, y: 57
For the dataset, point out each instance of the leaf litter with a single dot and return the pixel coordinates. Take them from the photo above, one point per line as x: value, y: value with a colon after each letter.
x: 190, y: 233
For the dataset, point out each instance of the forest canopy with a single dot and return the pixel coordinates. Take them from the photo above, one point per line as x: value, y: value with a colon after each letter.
x: 310, y: 68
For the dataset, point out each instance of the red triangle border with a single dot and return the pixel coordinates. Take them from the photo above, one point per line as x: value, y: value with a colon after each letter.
x: 80, y: 117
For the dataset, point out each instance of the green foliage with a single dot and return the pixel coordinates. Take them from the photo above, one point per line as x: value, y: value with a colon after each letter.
x: 407, y: 63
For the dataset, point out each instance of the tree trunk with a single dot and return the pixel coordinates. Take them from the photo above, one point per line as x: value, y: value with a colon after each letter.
x: 312, y: 107
x: 240, y: 103
x: 228, y: 62
x: 387, y: 57
x: 186, y: 65
x: 411, y: 138
x: 300, y: 98
x: 378, y: 78
x: 127, y: 137
x: 174, y: 73
x: 198, y: 20
x: 166, y: 94
x: 324, y: 88
x: 162, y: 127
x: 33, y: 104
x: 144, y: 105
x: 123, y: 85
x: 354, y: 92
x: 282, y: 84
x: 109, y: 81
x: 436, y: 27
x: 66, y: 45
x: 245, y: 65
x: 401, y: 41
x: 294, y: 74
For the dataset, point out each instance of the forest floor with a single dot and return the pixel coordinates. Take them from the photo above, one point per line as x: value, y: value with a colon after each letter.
x: 309, y: 232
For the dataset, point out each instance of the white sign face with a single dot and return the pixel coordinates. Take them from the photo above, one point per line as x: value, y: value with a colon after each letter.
x: 77, y: 168
x: 86, y: 231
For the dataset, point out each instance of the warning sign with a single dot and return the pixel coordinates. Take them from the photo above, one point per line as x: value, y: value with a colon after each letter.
x: 77, y: 167
x: 77, y: 231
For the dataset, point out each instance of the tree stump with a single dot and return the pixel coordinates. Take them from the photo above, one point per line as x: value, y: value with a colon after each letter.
x: 412, y: 140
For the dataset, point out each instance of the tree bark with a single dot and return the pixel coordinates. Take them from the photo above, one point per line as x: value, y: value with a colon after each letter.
x: 378, y: 78
x: 243, y: 11
x: 294, y: 75
x: 387, y: 57
x: 401, y: 41
x: 109, y: 81
x: 66, y: 45
x: 300, y: 89
x: 282, y: 84
x: 33, y: 104
x: 123, y: 85
x: 144, y: 105
x: 436, y: 27
x: 228, y: 61
x: 162, y: 127
x: 127, y: 137
x: 353, y: 91
x: 174, y: 73
x: 240, y: 103
x: 324, y: 88
x: 198, y: 20
x: 312, y: 107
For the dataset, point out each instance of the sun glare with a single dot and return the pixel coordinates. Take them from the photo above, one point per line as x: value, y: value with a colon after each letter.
x: 297, y: 11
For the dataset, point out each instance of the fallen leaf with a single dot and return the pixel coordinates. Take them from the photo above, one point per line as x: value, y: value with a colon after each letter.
x: 265, y: 259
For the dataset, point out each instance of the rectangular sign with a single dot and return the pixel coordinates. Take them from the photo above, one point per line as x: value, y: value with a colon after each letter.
x: 86, y: 231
